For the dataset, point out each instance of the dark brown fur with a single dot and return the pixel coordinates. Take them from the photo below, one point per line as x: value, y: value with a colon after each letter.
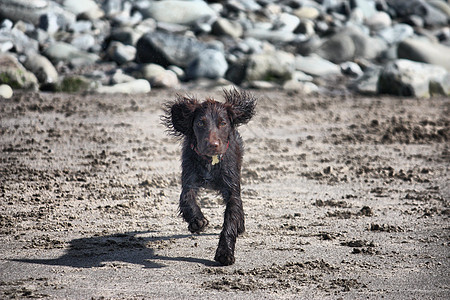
x: 209, y: 129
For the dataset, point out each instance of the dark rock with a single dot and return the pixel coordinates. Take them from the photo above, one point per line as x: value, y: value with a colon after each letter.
x: 168, y: 49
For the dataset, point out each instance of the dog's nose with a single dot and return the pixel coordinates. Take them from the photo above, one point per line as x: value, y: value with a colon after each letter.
x: 215, y: 144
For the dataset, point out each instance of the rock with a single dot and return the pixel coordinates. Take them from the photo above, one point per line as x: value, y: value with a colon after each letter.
x: 31, y: 11
x: 88, y: 8
x: 138, y: 86
x: 67, y: 53
x: 430, y: 15
x: 271, y: 66
x: 422, y: 50
x: 227, y: 27
x: 42, y: 68
x: 396, y: 33
x: 6, y: 91
x: 10, y: 38
x: 158, y: 76
x: 379, y: 20
x: 367, y: 83
x: 179, y: 12
x: 408, y: 78
x: 73, y: 84
x: 168, y: 49
x: 81, y: 26
x: 120, y: 77
x: 306, y: 12
x: 349, y: 44
x: 306, y: 27
x: 15, y: 75
x: 210, y: 63
x: 352, y: 69
x: 367, y: 7
x: 121, y: 53
x: 316, y: 66
x: 125, y: 35
x: 83, y: 42
x: 49, y: 23
x: 287, y: 22
x: 301, y: 76
x: 298, y: 86
x: 262, y: 85
x: 274, y: 36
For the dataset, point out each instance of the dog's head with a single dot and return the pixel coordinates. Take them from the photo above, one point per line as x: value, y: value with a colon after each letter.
x: 208, y: 124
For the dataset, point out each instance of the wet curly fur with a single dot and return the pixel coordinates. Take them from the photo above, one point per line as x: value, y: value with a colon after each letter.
x: 211, y: 158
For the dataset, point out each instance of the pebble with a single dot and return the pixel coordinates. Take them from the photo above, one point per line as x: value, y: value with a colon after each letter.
x: 259, y: 44
x: 6, y: 91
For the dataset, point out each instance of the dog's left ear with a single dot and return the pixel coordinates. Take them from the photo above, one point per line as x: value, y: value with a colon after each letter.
x: 241, y: 106
x: 179, y: 114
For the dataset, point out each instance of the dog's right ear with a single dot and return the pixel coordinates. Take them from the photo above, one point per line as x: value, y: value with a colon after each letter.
x: 179, y: 115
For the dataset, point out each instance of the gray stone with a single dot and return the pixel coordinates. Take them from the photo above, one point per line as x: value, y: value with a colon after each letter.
x: 209, y: 63
x: 352, y: 69
x: 396, y: 33
x: 138, y: 86
x: 31, y: 11
x: 271, y: 66
x: 49, y: 22
x: 19, y: 40
x: 67, y: 53
x: 349, y: 44
x: 121, y: 53
x: 42, y: 68
x: 125, y: 35
x: 408, y: 78
x: 168, y: 49
x: 298, y: 86
x: 158, y: 76
x: 316, y: 66
x: 179, y: 12
x: 83, y: 41
x: 422, y: 50
x: 378, y: 21
x: 430, y: 14
x: 81, y: 26
x: 274, y: 36
x: 367, y: 83
x: 227, y: 27
x: 367, y: 7
x: 120, y: 77
x: 286, y: 22
x: 6, y: 91
x: 89, y: 8
x: 15, y: 75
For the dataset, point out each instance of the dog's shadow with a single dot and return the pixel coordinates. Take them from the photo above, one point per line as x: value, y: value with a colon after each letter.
x: 131, y: 247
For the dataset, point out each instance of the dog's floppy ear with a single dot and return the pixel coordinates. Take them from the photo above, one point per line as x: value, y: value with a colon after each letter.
x: 241, y: 106
x: 179, y: 115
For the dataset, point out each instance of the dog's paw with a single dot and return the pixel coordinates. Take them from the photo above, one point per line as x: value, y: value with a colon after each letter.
x: 224, y: 257
x: 198, y: 225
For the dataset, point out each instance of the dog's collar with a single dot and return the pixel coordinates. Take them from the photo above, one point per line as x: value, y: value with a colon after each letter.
x: 213, y: 160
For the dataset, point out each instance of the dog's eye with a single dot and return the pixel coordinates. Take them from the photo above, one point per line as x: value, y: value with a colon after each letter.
x: 222, y: 123
x: 200, y: 123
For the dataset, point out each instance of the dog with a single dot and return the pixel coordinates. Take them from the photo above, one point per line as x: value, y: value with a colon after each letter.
x: 211, y: 157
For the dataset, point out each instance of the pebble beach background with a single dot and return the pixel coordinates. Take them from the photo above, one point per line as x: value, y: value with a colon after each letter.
x: 371, y: 47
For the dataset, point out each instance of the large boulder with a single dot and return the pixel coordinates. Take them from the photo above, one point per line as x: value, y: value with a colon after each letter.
x: 316, y: 66
x: 167, y: 49
x: 408, y: 78
x: 349, y: 44
x: 41, y: 67
x: 67, y: 53
x: 210, y: 63
x: 179, y: 12
x: 32, y: 10
x: 278, y: 66
x: 422, y: 50
x: 15, y: 75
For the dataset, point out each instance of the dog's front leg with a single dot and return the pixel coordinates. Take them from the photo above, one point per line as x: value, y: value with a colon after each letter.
x: 190, y: 210
x: 233, y: 225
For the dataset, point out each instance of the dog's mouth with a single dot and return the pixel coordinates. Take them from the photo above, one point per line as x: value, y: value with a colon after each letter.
x: 210, y: 150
